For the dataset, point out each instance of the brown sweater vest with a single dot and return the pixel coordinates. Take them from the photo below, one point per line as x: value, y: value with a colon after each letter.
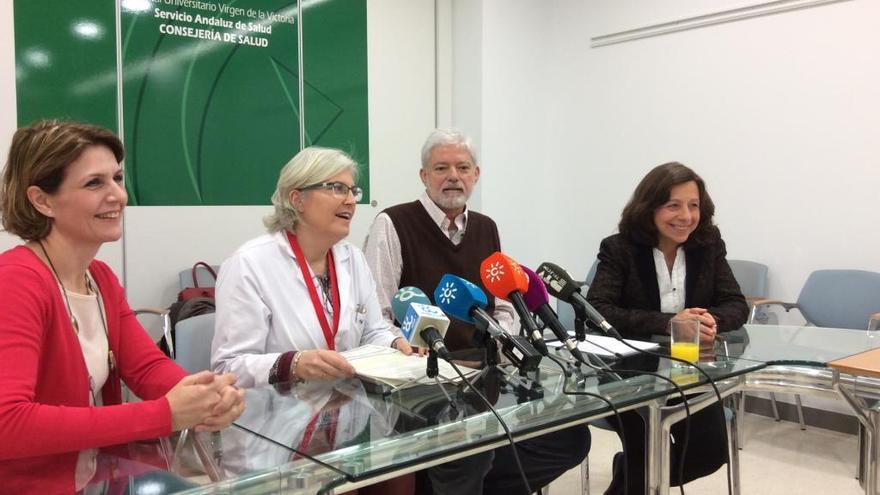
x: 428, y: 254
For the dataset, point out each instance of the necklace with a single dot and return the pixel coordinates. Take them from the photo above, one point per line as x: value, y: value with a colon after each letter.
x: 324, y: 283
x: 73, y: 320
x: 90, y: 288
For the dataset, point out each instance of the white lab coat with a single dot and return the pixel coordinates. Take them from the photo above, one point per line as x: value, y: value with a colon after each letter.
x: 284, y: 418
x: 264, y: 308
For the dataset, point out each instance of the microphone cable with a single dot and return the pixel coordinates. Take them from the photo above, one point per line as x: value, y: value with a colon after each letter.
x: 482, y: 397
x: 611, y: 405
x: 709, y: 379
x: 687, y: 410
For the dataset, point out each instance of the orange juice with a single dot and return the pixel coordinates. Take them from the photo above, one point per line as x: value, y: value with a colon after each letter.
x: 688, y: 351
x: 686, y: 378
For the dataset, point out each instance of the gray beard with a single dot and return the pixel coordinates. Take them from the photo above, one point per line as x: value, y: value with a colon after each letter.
x: 451, y: 203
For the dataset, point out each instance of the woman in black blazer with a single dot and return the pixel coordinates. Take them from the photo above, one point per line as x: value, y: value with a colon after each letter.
x: 668, y: 260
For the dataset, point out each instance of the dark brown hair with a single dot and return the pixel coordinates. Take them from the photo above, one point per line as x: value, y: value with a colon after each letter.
x: 39, y: 156
x: 637, y: 219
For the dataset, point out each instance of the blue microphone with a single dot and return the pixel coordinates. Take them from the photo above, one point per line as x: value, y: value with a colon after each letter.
x: 458, y: 298
x: 403, y: 298
x: 465, y: 301
x: 422, y: 324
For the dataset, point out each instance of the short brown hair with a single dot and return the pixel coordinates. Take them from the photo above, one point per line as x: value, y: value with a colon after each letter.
x: 637, y: 219
x: 39, y: 156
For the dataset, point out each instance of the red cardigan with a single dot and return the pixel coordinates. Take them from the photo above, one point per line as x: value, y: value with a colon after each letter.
x: 45, y: 416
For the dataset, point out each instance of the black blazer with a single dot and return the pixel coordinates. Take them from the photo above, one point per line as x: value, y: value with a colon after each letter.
x: 625, y: 288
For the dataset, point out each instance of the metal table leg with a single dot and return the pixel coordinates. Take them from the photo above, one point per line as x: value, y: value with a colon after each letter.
x: 659, y: 423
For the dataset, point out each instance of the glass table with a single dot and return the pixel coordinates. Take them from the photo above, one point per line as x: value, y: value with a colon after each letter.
x: 355, y: 429
x: 318, y: 438
x: 799, y: 345
x: 230, y: 461
x: 797, y: 358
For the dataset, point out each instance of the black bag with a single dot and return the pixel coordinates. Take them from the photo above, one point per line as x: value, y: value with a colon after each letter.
x: 182, y: 310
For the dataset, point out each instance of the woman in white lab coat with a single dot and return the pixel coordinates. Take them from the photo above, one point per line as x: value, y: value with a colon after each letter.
x: 290, y: 300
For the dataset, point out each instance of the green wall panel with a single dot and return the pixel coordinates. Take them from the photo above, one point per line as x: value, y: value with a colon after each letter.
x: 65, y: 61
x: 335, y: 65
x: 211, y: 107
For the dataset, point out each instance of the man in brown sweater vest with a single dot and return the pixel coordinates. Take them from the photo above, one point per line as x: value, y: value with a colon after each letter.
x: 414, y: 244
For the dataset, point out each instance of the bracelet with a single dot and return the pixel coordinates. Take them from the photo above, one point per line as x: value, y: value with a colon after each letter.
x: 394, y: 343
x: 294, y: 378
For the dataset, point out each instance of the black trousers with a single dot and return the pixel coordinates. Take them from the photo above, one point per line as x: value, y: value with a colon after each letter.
x: 706, y: 449
x: 495, y: 472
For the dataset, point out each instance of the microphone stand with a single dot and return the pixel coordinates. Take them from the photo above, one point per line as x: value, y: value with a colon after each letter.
x: 534, y: 390
x: 432, y: 370
x: 527, y: 389
x: 580, y: 325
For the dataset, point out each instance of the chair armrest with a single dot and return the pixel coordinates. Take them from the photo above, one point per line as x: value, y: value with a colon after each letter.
x: 152, y: 311
x: 165, y: 314
x: 769, y: 302
x: 874, y: 322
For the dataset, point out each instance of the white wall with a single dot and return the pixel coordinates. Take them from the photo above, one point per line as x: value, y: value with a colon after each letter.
x: 780, y: 114
x: 7, y: 95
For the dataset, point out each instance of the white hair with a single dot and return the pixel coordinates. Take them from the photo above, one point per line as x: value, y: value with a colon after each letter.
x: 440, y: 137
x: 312, y: 165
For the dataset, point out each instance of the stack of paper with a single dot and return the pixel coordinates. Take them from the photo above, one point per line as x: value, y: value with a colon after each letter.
x: 608, y: 347
x: 387, y: 365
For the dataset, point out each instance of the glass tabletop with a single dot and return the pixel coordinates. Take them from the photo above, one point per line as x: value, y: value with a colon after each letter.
x: 231, y: 461
x: 249, y: 463
x: 358, y: 429
x: 798, y: 345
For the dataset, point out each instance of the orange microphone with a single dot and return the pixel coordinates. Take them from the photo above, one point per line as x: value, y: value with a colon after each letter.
x: 504, y: 278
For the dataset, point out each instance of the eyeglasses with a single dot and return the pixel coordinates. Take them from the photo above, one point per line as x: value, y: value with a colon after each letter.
x: 338, y: 189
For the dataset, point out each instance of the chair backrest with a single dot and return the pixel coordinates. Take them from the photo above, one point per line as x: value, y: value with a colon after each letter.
x: 840, y: 298
x: 592, y: 273
x: 564, y: 310
x: 202, y: 274
x: 192, y: 340
x: 751, y: 277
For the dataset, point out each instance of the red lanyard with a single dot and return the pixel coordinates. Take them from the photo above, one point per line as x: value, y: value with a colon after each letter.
x: 329, y: 334
x: 330, y: 434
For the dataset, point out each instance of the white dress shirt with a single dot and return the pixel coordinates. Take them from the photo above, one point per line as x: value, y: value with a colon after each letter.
x: 382, y: 250
x: 671, y: 284
x: 264, y: 308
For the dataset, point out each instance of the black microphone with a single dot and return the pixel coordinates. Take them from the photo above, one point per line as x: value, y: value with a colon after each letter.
x: 560, y: 284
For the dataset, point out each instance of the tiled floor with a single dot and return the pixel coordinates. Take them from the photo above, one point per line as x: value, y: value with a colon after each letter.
x: 777, y: 458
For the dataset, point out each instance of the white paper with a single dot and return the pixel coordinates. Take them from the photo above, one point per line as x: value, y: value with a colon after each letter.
x: 608, y: 346
x: 390, y: 366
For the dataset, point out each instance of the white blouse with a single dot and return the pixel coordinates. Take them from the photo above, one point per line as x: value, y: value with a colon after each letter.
x: 93, y: 340
x: 671, y: 284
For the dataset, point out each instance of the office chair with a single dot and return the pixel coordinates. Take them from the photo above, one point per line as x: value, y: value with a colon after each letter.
x: 204, y: 277
x: 193, y: 342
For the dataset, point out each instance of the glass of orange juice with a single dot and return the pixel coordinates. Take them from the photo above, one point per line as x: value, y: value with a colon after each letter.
x: 685, y: 333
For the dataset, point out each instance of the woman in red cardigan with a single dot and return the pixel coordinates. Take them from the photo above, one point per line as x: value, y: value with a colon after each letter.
x: 67, y: 334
